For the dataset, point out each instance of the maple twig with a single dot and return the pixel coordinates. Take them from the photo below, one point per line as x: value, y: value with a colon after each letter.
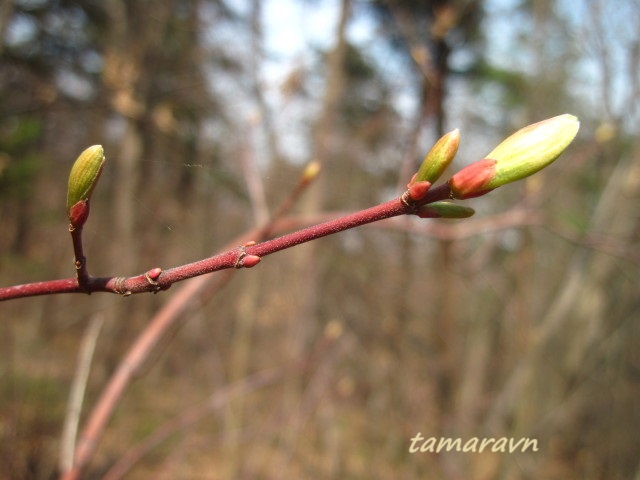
x: 522, y: 154
x: 248, y: 255
x: 80, y: 261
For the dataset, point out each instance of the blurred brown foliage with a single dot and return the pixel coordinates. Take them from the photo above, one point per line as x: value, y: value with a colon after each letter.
x: 520, y: 323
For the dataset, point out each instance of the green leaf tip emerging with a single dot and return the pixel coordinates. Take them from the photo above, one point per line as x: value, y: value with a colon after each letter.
x: 84, y: 175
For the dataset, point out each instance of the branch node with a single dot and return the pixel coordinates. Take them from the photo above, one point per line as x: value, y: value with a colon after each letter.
x: 80, y: 263
x: 120, y: 286
x: 152, y: 276
x: 241, y: 254
x: 408, y: 202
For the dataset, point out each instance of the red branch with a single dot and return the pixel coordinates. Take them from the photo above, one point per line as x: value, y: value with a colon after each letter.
x: 248, y: 255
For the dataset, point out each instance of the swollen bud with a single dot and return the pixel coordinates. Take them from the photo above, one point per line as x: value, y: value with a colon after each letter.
x: 532, y: 148
x: 438, y: 158
x: 522, y: 154
x: 83, y: 177
x: 445, y: 210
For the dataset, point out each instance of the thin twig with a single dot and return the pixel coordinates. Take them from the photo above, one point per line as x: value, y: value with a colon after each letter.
x: 155, y: 279
x: 82, y: 273
x: 191, y: 417
x: 76, y: 395
x: 329, y: 348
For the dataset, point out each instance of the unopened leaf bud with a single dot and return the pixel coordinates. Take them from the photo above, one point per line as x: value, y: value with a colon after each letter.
x: 84, y: 176
x: 532, y: 148
x: 445, y: 210
x: 524, y: 153
x: 250, y: 261
x: 438, y: 158
x: 154, y: 273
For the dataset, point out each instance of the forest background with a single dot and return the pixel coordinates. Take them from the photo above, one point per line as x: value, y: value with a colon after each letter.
x: 326, y: 359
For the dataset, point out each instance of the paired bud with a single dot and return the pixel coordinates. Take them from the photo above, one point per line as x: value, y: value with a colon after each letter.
x: 522, y: 154
x: 438, y: 158
x: 444, y: 210
x: 82, y: 180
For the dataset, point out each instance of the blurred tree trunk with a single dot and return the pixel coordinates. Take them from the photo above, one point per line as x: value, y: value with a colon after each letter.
x: 249, y: 299
x: 305, y: 265
x: 123, y: 76
x: 325, y: 141
x: 131, y: 44
x: 6, y: 9
x: 430, y: 54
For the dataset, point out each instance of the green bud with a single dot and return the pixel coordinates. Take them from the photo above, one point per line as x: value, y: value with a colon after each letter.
x: 438, y: 158
x: 445, y: 210
x: 84, y: 175
x: 522, y: 154
x: 531, y: 149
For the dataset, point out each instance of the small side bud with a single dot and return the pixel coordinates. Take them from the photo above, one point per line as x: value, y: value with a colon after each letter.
x: 154, y: 273
x: 84, y: 176
x: 311, y: 171
x: 152, y: 277
x: 418, y: 190
x: 438, y: 158
x: 250, y: 261
x: 445, y: 210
